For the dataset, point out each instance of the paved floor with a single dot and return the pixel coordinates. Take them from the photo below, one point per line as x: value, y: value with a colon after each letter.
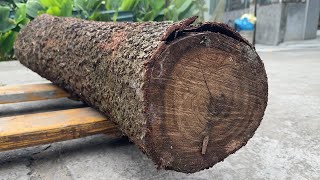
x: 286, y: 145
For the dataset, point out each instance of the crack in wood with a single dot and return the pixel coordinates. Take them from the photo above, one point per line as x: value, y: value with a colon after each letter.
x: 209, y: 108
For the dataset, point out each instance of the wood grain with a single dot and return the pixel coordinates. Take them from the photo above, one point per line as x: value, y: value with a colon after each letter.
x: 42, y: 128
x: 31, y: 92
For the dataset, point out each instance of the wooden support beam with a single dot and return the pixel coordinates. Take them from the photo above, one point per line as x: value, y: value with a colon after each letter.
x: 42, y: 128
x: 33, y: 92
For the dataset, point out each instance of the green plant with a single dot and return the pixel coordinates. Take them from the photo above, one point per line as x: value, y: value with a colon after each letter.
x: 180, y: 9
x: 56, y: 7
x: 146, y: 10
x: 159, y: 10
x: 34, y: 7
x: 9, y: 27
x: 14, y: 14
x: 91, y: 9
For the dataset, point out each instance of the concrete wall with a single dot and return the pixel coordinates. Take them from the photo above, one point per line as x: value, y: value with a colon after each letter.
x: 312, y: 19
x: 269, y: 20
x: 280, y: 22
x: 295, y: 22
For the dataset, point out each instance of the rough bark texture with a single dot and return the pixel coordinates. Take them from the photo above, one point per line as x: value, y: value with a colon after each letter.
x: 187, y: 95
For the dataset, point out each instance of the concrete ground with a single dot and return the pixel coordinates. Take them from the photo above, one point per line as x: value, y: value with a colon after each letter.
x: 285, y: 146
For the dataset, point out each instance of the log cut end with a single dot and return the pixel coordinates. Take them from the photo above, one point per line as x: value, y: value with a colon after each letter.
x: 206, y: 97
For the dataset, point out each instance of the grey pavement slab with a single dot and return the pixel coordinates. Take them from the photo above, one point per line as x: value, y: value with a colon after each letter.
x: 285, y: 146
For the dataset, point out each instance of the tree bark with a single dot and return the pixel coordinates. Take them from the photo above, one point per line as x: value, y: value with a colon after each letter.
x: 187, y: 95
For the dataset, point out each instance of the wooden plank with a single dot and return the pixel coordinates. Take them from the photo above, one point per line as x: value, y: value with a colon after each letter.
x: 32, y: 92
x: 42, y: 128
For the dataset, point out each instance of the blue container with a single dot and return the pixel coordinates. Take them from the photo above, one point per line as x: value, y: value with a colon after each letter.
x: 243, y: 24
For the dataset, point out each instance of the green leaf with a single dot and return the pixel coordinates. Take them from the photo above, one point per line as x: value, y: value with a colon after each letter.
x: 80, y: 4
x: 66, y: 8
x: 6, y: 44
x: 185, y: 6
x: 57, y: 7
x: 157, y: 8
x: 19, y: 1
x: 49, y: 3
x: 157, y: 5
x: 94, y: 5
x: 113, y: 4
x: 5, y: 2
x: 54, y: 10
x: 149, y: 16
x: 171, y: 13
x: 6, y: 23
x: 191, y: 11
x: 115, y: 16
x: 100, y: 16
x: 21, y: 12
x: 82, y: 7
x: 126, y: 5
x: 24, y: 22
x: 92, y: 9
x: 33, y: 7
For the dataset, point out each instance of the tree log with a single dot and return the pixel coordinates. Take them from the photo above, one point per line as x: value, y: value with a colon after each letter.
x: 187, y: 95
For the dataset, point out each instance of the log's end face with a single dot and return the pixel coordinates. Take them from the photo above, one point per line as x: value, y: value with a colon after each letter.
x: 206, y: 98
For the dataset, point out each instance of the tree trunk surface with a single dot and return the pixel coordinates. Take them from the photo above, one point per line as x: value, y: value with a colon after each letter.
x: 187, y: 95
